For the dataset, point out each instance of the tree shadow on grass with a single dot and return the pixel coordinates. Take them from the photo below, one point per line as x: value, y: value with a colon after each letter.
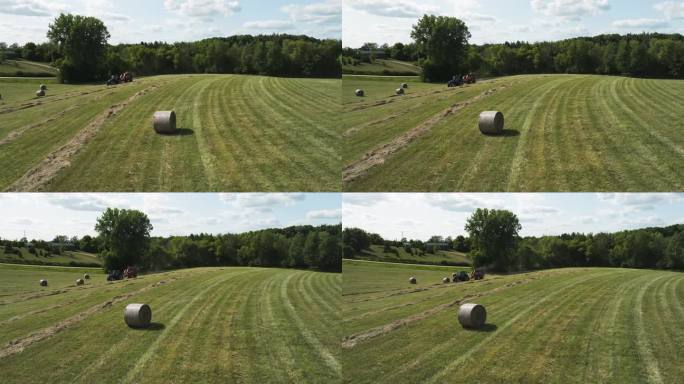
x: 484, y: 328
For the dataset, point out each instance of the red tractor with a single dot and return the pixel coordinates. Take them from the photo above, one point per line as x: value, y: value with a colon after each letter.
x: 130, y: 273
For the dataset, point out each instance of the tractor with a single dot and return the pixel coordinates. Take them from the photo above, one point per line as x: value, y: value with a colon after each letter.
x: 477, y: 274
x: 460, y: 276
x: 130, y: 272
x: 114, y: 275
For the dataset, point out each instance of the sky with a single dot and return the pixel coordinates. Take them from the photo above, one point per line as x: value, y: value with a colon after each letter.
x: 133, y: 21
x: 420, y: 216
x: 43, y: 216
x: 497, y: 21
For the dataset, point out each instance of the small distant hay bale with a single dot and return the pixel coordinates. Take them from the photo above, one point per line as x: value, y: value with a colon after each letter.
x: 138, y: 315
x: 472, y: 315
x: 40, y: 93
x: 491, y: 122
x: 404, y: 85
x: 43, y: 87
x: 164, y: 122
x: 43, y: 283
x: 80, y: 282
x: 445, y: 280
x: 359, y: 93
x: 400, y: 91
x: 86, y: 276
x: 412, y: 280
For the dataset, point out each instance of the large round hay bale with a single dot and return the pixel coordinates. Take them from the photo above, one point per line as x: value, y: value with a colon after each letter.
x: 86, y: 276
x: 43, y: 87
x: 445, y: 280
x: 472, y: 315
x: 43, y: 283
x: 412, y: 280
x: 40, y: 93
x: 138, y: 315
x: 165, y: 121
x: 400, y: 91
x: 359, y: 93
x: 404, y: 85
x: 80, y: 282
x: 491, y: 122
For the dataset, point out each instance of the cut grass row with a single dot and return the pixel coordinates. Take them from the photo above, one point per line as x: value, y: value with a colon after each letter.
x: 564, y: 133
x: 570, y: 325
x: 240, y: 325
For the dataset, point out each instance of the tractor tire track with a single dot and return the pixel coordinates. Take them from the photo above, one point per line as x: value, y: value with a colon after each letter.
x: 642, y: 340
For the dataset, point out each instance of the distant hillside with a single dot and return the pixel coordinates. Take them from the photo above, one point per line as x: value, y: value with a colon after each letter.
x: 23, y: 68
x: 382, y: 67
x: 399, y: 255
x: 41, y: 257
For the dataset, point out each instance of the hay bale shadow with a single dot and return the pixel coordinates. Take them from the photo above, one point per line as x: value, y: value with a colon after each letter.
x: 505, y: 133
x: 485, y: 328
x: 152, y: 327
x: 180, y: 132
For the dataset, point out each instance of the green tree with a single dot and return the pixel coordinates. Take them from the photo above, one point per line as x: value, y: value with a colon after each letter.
x: 82, y: 42
x: 125, y: 237
x: 330, y: 258
x: 311, y: 248
x: 444, y: 42
x: 493, y: 236
x: 296, y: 251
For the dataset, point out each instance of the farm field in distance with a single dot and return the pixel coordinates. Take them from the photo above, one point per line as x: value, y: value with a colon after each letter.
x: 573, y: 325
x: 399, y: 255
x: 66, y: 258
x: 562, y: 133
x: 244, y: 325
x: 21, y: 68
x: 382, y: 67
x: 238, y: 133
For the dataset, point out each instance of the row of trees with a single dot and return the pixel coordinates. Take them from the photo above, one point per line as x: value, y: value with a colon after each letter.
x: 125, y: 237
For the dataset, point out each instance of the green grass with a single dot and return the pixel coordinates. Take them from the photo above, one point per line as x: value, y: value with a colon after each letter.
x: 574, y: 325
x: 381, y: 67
x: 564, y: 133
x: 239, y: 133
x: 399, y: 255
x: 24, y: 68
x: 210, y: 325
x: 66, y: 258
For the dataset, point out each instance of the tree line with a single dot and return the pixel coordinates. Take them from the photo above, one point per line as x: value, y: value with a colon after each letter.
x: 78, y: 47
x: 441, y: 47
x: 493, y: 242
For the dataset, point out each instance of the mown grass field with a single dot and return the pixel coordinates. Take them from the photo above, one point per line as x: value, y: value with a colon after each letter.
x: 563, y: 133
x: 11, y: 68
x: 591, y: 325
x: 66, y: 258
x: 237, y: 133
x: 399, y: 255
x: 382, y: 67
x: 210, y: 325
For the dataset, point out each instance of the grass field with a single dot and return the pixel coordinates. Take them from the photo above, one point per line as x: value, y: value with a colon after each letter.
x: 66, y: 258
x: 563, y: 133
x: 210, y: 325
x: 557, y: 326
x: 399, y: 255
x: 237, y: 133
x: 382, y: 67
x: 21, y: 68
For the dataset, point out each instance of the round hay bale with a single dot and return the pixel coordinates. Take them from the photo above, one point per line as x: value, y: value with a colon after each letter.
x: 413, y: 280
x: 80, y: 282
x: 138, y: 315
x: 400, y: 91
x: 164, y: 121
x: 40, y: 93
x: 491, y: 122
x: 472, y: 315
x: 404, y: 85
x: 43, y: 87
x: 86, y: 276
x: 43, y: 283
x: 445, y: 280
x: 359, y: 93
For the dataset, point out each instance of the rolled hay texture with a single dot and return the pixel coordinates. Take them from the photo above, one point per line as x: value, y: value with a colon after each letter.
x: 43, y: 87
x: 359, y: 92
x: 86, y: 276
x: 138, y: 315
x: 445, y: 280
x: 404, y: 85
x: 165, y: 121
x: 400, y: 91
x: 40, y: 93
x: 472, y: 315
x: 80, y: 282
x: 491, y: 122
x: 43, y: 283
x: 412, y: 280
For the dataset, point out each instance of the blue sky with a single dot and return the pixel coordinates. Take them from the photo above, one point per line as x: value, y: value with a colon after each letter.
x: 420, y: 216
x: 493, y: 21
x: 43, y: 216
x: 133, y: 21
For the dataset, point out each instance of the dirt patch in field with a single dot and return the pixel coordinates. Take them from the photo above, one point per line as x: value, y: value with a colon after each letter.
x: 36, y: 178
x: 18, y: 345
x: 351, y: 341
x: 380, y: 154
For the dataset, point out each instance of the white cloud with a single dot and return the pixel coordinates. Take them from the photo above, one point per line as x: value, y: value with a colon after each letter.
x: 203, y: 8
x: 639, y: 201
x: 671, y: 9
x: 640, y: 23
x: 462, y: 202
x: 329, y: 12
x: 365, y: 199
x: 85, y: 201
x: 324, y: 214
x: 262, y: 201
x: 391, y: 8
x: 569, y: 8
x: 280, y: 25
x: 29, y: 7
